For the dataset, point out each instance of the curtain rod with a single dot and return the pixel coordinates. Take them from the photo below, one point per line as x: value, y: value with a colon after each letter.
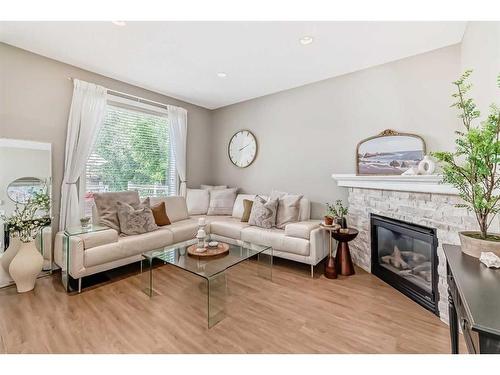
x: 132, y: 97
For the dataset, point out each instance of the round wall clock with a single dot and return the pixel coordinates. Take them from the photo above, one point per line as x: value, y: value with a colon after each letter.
x: 242, y: 148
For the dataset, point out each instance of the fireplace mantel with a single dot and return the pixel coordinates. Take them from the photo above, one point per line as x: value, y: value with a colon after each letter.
x: 418, y: 184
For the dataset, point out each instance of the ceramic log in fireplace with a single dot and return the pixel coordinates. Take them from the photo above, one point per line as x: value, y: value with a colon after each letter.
x: 405, y: 256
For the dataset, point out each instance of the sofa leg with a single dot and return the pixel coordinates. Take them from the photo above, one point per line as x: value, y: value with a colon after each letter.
x: 312, y: 271
x: 80, y: 285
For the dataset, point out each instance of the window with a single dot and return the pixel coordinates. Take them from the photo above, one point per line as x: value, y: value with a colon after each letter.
x: 132, y: 152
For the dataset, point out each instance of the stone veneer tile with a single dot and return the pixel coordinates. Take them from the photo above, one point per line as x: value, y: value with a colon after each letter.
x: 431, y: 210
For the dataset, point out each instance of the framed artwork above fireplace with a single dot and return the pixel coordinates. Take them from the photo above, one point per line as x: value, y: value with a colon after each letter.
x: 389, y: 153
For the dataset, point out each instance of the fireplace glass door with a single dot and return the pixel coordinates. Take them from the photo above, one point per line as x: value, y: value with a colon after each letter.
x: 405, y: 256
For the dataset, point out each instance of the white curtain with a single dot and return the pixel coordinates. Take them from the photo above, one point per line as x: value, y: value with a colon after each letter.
x: 177, y: 118
x: 86, y: 116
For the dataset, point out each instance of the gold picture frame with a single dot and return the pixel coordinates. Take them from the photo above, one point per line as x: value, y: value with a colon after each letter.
x: 389, y: 153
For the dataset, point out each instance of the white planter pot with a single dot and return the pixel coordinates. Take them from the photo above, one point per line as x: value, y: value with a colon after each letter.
x: 10, y: 253
x: 26, y: 266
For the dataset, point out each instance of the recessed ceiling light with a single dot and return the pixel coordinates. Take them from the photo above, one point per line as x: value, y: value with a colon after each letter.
x: 222, y: 75
x: 305, y: 40
x: 119, y: 23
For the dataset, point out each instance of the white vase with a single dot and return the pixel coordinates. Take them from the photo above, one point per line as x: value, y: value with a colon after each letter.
x: 10, y: 253
x: 426, y: 166
x: 26, y: 266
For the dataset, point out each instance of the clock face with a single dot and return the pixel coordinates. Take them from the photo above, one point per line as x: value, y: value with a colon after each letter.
x: 242, y: 148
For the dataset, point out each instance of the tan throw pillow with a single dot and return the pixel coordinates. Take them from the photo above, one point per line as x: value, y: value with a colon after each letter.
x: 263, y: 212
x: 160, y: 214
x: 247, y: 208
x: 135, y: 220
x: 288, y: 208
x: 107, y: 209
x: 222, y: 201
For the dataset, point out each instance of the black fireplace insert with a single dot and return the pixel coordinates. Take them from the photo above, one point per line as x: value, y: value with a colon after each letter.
x: 404, y: 255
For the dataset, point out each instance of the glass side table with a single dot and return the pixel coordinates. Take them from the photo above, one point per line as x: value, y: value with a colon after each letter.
x: 68, y: 233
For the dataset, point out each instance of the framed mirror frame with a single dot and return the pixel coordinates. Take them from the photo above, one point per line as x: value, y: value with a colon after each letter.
x: 385, y: 134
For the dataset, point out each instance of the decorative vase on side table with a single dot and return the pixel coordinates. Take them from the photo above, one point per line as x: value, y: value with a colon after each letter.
x: 343, y: 259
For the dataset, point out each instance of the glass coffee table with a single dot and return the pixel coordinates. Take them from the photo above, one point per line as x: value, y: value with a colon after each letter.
x: 212, y: 269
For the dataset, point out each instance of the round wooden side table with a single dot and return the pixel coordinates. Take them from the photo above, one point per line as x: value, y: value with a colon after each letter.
x: 343, y: 261
x: 330, y: 269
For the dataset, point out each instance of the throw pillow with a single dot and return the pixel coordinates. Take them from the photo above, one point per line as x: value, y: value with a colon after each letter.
x: 160, y: 214
x: 135, y: 220
x: 222, y: 201
x: 213, y: 187
x: 197, y: 201
x: 107, y: 208
x: 247, y: 208
x: 288, y: 208
x: 263, y: 212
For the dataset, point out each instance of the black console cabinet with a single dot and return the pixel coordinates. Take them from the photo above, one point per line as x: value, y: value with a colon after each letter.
x: 474, y: 302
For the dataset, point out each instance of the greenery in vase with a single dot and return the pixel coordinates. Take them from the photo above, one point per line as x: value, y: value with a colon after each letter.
x: 337, y: 210
x: 24, y: 221
x: 472, y: 168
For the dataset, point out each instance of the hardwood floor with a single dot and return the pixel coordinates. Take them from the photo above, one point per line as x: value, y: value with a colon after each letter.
x: 292, y: 314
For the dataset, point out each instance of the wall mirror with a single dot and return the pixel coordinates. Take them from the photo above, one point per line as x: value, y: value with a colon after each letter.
x: 25, y: 169
x: 22, y: 189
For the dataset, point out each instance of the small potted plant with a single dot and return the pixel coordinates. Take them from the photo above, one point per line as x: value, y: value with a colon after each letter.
x: 329, y: 214
x: 472, y: 169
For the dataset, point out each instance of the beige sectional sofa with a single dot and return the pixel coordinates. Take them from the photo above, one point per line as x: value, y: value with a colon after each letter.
x: 92, y: 253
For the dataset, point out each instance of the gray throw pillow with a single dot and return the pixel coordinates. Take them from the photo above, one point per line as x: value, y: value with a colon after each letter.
x: 263, y: 212
x: 107, y: 208
x: 288, y: 208
x: 222, y: 201
x: 136, y: 220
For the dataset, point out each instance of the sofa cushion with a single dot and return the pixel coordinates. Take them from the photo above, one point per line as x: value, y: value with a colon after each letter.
x: 107, y: 209
x: 99, y: 238
x: 263, y: 212
x: 197, y: 201
x: 277, y: 239
x: 238, y: 207
x: 160, y: 214
x: 133, y: 245
x: 135, y: 220
x: 301, y: 229
x: 183, y: 230
x: 213, y: 187
x: 229, y: 227
x: 222, y: 201
x: 176, y: 207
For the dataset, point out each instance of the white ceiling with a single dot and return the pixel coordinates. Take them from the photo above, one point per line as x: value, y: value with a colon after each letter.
x: 182, y: 59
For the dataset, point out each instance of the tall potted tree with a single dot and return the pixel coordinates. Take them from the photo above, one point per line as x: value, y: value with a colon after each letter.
x: 473, y: 168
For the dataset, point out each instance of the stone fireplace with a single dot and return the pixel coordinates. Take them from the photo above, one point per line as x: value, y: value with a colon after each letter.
x: 420, y: 200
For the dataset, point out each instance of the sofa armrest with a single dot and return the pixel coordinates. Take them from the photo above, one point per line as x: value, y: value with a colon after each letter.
x: 301, y: 229
x: 99, y: 238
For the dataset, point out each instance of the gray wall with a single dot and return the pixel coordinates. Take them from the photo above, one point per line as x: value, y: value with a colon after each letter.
x: 35, y: 97
x: 481, y: 52
x: 306, y: 134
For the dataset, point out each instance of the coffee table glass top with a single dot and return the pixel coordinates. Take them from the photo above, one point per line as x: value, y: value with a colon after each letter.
x: 177, y: 255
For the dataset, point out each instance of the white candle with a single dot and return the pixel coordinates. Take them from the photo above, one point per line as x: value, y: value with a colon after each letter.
x: 201, y: 221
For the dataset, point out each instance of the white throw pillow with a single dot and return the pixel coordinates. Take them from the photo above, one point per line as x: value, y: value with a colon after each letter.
x: 197, y: 201
x: 221, y: 201
x: 213, y: 187
x: 288, y: 208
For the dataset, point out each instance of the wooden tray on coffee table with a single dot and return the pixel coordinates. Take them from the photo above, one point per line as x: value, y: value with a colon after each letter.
x: 220, y: 250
